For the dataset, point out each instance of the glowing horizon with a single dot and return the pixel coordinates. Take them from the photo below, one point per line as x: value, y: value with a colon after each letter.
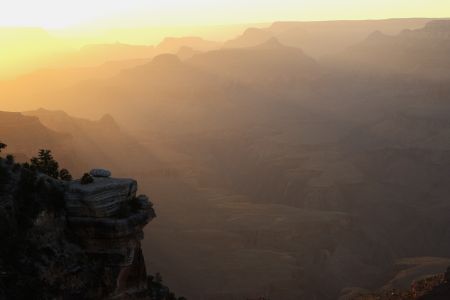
x: 68, y: 25
x: 54, y: 14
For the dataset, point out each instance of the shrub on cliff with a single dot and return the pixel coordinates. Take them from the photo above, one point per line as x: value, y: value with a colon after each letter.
x: 64, y: 174
x: 2, y: 146
x: 9, y: 159
x: 46, y: 164
x: 86, y: 179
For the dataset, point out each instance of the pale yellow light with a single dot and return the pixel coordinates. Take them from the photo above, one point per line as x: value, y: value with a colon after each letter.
x: 71, y: 24
x: 60, y: 13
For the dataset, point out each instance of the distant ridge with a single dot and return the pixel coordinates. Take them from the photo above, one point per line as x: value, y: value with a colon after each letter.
x: 420, y: 52
x: 174, y: 44
x: 319, y: 38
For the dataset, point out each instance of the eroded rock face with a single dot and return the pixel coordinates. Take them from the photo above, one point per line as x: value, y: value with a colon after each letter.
x: 102, y: 198
x: 70, y: 241
x: 108, y: 219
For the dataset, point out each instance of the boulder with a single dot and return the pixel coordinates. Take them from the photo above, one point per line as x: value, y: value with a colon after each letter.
x: 100, y: 173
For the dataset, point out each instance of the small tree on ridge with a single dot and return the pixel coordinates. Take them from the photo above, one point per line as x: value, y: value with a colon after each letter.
x: 2, y: 146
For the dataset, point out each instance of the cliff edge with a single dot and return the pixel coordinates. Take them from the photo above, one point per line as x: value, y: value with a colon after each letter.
x: 76, y: 239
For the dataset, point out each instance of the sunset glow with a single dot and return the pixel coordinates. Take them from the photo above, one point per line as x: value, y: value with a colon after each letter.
x: 33, y: 32
x: 220, y: 149
x: 51, y: 14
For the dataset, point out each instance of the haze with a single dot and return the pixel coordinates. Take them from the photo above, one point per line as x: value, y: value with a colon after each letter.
x: 60, y: 14
x: 292, y: 149
x: 69, y: 25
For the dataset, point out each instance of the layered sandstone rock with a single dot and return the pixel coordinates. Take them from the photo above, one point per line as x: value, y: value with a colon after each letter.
x: 102, y: 198
x: 67, y: 240
x: 108, y: 219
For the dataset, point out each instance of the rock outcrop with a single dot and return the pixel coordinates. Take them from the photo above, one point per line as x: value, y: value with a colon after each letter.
x: 108, y: 218
x: 68, y: 240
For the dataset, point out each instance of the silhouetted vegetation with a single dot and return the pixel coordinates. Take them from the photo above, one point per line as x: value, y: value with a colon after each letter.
x: 86, y: 179
x: 34, y: 193
x: 9, y: 159
x: 46, y: 164
x: 2, y: 146
x: 65, y: 175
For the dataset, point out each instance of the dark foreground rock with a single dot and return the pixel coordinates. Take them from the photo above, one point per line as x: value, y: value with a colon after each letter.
x: 435, y: 287
x: 65, y: 240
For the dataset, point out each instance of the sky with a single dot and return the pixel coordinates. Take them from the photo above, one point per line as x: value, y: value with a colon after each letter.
x: 58, y: 14
x: 55, y: 27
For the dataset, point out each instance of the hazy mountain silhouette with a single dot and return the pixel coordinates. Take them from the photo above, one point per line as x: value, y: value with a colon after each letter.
x: 265, y: 64
x: 421, y: 52
x: 251, y: 37
x: 172, y: 90
x: 99, y: 143
x: 186, y: 52
x: 173, y: 45
x: 25, y: 135
x: 58, y: 78
x: 323, y: 37
x: 97, y: 54
x: 78, y: 143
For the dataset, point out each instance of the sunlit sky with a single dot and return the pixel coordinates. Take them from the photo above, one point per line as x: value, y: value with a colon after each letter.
x: 57, y: 14
x: 32, y: 32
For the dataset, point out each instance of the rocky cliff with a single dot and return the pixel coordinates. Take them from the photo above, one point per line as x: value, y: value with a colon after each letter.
x: 73, y: 239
